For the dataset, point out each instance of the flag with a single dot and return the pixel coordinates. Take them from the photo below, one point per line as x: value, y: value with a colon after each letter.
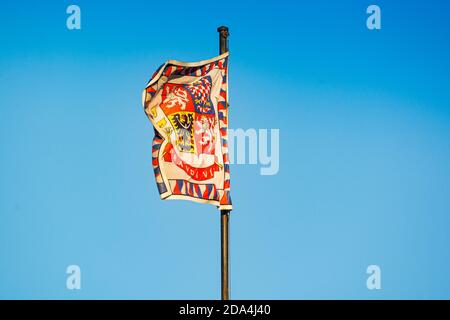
x: 187, y: 104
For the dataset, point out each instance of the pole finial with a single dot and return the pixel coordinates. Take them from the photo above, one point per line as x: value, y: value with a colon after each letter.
x: 223, y: 38
x: 223, y: 29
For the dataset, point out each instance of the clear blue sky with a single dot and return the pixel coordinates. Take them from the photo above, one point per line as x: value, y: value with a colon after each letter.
x: 364, y: 119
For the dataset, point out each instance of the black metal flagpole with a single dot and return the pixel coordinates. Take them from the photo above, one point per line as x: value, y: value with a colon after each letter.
x: 224, y: 214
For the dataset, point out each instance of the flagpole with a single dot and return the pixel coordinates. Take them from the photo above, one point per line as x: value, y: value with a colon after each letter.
x: 224, y: 214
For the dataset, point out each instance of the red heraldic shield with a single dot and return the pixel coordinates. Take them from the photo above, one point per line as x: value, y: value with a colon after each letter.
x: 187, y: 106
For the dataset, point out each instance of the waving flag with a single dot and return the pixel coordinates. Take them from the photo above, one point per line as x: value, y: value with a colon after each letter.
x: 187, y: 105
